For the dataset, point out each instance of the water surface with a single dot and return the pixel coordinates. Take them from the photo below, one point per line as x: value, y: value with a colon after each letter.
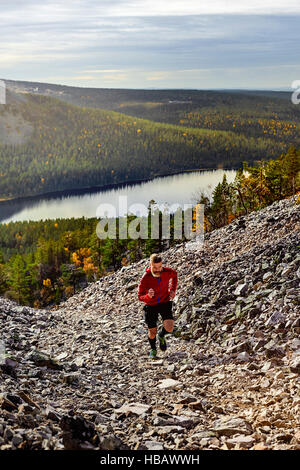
x: 175, y: 189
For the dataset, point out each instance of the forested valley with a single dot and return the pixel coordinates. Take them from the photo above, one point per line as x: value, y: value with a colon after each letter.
x: 49, y: 145
x: 44, y: 262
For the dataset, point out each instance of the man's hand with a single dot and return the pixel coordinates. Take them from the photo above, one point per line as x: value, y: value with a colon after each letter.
x: 151, y: 293
x: 172, y: 294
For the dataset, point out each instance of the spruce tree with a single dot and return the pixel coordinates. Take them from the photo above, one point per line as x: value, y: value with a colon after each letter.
x: 19, y: 280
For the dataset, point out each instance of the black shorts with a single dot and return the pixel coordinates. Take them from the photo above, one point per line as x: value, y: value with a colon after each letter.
x: 152, y: 311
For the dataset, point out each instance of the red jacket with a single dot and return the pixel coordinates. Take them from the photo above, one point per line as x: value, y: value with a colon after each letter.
x: 160, y: 285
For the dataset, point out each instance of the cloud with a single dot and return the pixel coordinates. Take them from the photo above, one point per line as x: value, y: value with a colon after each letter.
x: 159, y: 76
x: 103, y: 71
x: 195, y: 7
x: 54, y: 11
x: 83, y: 77
x: 139, y: 41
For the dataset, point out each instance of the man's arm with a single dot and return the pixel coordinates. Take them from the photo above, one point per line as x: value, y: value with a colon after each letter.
x: 173, y: 277
x: 142, y: 295
x: 173, y: 286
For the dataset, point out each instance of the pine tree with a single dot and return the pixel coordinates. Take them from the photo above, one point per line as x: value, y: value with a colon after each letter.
x: 3, y: 276
x: 221, y: 207
x: 291, y: 167
x: 71, y: 275
x: 274, y: 177
x: 240, y: 206
x: 97, y: 247
x: 19, y: 280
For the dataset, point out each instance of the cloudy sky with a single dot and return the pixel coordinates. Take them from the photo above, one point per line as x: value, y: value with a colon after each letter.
x: 151, y: 43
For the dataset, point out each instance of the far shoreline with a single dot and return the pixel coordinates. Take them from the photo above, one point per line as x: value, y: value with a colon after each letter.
x: 92, y: 189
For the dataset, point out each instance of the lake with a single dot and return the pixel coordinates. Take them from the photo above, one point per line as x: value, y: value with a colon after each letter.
x: 177, y: 189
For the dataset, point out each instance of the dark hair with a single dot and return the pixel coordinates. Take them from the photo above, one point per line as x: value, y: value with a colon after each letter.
x: 155, y: 258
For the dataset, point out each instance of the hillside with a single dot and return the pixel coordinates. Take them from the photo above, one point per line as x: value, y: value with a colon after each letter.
x: 253, y: 112
x: 114, y: 98
x: 48, y: 144
x: 229, y: 379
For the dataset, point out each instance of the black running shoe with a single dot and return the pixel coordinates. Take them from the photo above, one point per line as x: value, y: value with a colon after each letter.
x: 162, y: 343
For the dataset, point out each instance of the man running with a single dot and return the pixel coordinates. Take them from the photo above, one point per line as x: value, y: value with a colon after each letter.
x: 154, y: 292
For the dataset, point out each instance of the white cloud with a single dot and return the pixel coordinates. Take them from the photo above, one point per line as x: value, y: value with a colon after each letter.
x: 83, y: 77
x: 197, y: 7
x: 104, y: 71
x: 50, y: 11
x: 136, y: 42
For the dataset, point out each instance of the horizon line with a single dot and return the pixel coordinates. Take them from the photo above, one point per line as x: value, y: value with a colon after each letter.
x: 283, y: 89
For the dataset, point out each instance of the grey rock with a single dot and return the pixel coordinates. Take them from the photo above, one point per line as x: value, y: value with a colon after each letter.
x: 154, y: 445
x: 169, y: 384
x: 112, y: 442
x: 243, y: 357
x: 295, y: 365
x: 230, y: 425
x: 134, y: 408
x: 244, y: 442
x: 166, y: 431
x: 42, y: 359
x: 16, y: 440
x: 241, y: 289
x: 198, y: 435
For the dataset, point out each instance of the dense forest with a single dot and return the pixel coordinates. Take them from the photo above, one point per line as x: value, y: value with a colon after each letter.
x: 44, y: 262
x: 49, y: 145
x: 114, y: 99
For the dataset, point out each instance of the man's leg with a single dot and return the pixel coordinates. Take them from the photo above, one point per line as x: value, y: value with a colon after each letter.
x: 152, y: 337
x: 168, y: 324
x: 151, y: 317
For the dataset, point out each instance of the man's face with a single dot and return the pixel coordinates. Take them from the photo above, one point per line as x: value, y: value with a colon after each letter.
x: 156, y: 269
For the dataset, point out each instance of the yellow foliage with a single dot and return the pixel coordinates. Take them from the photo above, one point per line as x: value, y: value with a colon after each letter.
x: 75, y: 259
x: 84, y: 252
x: 47, y: 282
x: 207, y: 224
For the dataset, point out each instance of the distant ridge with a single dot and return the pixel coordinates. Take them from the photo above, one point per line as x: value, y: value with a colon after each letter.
x: 57, y: 137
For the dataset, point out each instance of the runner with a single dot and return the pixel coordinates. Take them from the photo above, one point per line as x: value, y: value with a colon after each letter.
x: 154, y: 292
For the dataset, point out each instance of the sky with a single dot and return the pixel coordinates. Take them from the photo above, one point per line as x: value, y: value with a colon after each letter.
x: 151, y: 43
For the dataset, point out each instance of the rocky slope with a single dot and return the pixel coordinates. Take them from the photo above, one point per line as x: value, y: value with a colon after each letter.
x: 79, y: 377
